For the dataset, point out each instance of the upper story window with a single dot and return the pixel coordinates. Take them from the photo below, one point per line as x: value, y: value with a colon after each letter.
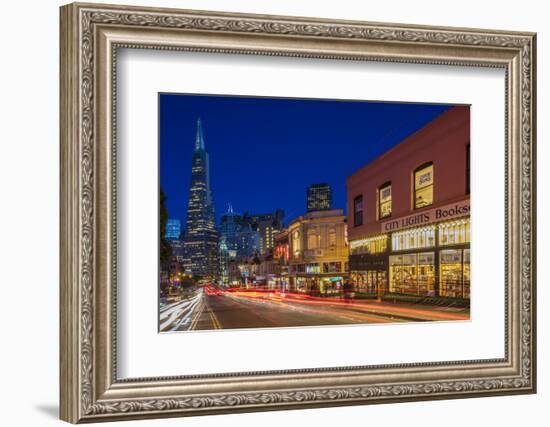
x: 424, y: 186
x: 358, y: 211
x: 296, y: 244
x: 312, y: 239
x: 384, y: 201
x: 468, y: 168
x: 332, y: 237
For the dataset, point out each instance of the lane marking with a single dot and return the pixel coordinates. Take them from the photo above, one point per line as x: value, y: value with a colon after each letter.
x: 214, y: 318
x: 197, y: 317
x: 178, y: 313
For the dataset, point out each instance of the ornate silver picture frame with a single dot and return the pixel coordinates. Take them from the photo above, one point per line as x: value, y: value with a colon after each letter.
x: 91, y: 35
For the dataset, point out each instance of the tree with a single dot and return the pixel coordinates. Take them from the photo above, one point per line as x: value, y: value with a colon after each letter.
x: 165, y: 248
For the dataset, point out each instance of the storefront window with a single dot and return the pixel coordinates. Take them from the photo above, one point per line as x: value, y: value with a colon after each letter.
x: 412, y: 274
x: 371, y: 245
x: 423, y: 186
x: 451, y: 273
x: 426, y: 273
x: 313, y: 268
x: 332, y: 267
x: 300, y: 284
x: 330, y: 286
x: 455, y: 232
x: 370, y: 282
x: 384, y: 201
x: 414, y: 238
x: 466, y: 274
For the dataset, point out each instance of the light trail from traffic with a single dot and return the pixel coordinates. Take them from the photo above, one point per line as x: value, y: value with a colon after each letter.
x: 212, y: 308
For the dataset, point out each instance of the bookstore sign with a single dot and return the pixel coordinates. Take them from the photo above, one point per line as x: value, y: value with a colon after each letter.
x: 442, y: 213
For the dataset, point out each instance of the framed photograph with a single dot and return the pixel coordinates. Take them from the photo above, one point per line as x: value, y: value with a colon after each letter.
x: 266, y: 213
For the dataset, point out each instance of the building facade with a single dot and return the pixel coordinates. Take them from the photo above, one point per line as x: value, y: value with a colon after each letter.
x: 237, y: 241
x: 230, y: 225
x: 409, y: 214
x: 281, y: 256
x: 201, y: 237
x: 266, y: 225
x: 319, y: 197
x: 318, y: 252
x: 173, y: 229
x: 268, y: 272
x: 178, y: 251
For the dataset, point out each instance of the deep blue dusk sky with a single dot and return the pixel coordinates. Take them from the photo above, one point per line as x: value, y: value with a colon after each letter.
x: 265, y: 152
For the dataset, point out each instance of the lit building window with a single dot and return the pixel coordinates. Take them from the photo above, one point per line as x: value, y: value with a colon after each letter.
x: 424, y: 186
x: 312, y: 239
x: 466, y: 274
x: 296, y: 246
x: 313, y: 268
x: 371, y: 245
x: 384, y: 201
x: 412, y: 274
x: 455, y: 232
x: 358, y: 211
x: 332, y: 267
x: 454, y: 272
x: 332, y: 237
x: 414, y: 238
x: 468, y: 168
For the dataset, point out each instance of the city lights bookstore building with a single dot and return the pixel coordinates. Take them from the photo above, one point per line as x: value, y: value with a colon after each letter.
x: 409, y: 214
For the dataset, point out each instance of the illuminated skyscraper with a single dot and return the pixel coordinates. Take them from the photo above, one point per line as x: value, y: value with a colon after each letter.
x: 237, y: 240
x: 267, y: 225
x: 319, y: 197
x: 173, y: 229
x: 201, y: 237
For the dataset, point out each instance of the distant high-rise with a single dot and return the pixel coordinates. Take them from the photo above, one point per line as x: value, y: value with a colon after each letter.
x: 173, y: 229
x: 267, y: 225
x: 237, y: 241
x: 319, y: 197
x: 201, y: 237
x: 231, y: 224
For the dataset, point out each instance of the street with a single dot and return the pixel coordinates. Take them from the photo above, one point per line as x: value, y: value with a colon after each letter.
x: 210, y: 309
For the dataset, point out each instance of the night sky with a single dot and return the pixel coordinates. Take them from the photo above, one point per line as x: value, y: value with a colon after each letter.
x: 265, y: 152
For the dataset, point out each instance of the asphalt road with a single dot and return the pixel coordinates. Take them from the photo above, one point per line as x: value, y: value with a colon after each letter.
x: 234, y: 311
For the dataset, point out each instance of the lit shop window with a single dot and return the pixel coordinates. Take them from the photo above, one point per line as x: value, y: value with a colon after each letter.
x: 313, y: 268
x: 369, y: 282
x: 414, y: 238
x: 454, y: 271
x: 424, y: 186
x: 412, y: 274
x: 453, y: 233
x: 371, y: 245
x: 358, y: 211
x: 332, y: 267
x: 466, y: 274
x: 384, y: 201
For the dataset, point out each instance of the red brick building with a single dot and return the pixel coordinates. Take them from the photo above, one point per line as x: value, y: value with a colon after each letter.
x: 409, y: 214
